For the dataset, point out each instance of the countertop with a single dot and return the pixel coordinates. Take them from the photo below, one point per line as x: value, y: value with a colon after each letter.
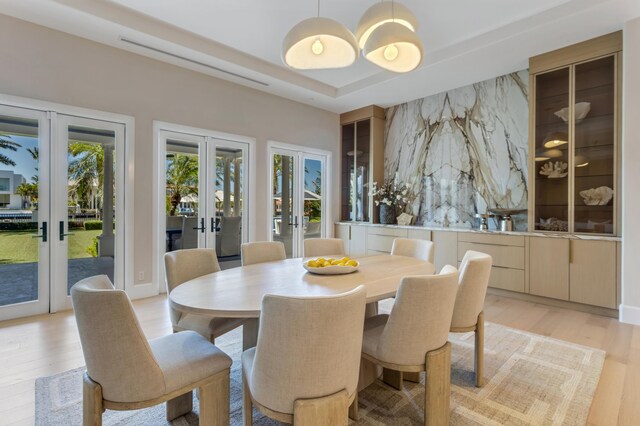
x: 491, y: 231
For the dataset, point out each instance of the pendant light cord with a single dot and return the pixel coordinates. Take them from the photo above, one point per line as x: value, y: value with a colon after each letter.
x: 318, y: 8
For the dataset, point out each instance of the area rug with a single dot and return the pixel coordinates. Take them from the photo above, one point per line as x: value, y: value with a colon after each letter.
x: 530, y: 380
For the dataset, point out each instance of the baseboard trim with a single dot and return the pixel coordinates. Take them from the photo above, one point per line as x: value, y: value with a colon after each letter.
x: 630, y: 314
x: 555, y: 302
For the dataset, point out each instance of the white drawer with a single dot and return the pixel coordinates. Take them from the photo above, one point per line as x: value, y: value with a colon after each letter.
x: 394, y: 232
x: 505, y: 256
x: 500, y: 240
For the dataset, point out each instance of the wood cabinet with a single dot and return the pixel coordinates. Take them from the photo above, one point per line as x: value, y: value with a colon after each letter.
x: 362, y: 162
x: 574, y: 134
x: 592, y: 273
x: 549, y: 267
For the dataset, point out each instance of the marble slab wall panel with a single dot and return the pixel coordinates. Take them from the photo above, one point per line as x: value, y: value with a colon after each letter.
x: 463, y: 151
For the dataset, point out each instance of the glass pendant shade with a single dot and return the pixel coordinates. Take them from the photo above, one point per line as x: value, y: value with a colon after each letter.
x: 394, y: 47
x: 555, y: 139
x: 381, y: 13
x: 319, y: 43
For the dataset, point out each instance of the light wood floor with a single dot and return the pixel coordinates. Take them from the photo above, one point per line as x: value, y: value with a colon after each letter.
x: 49, y: 344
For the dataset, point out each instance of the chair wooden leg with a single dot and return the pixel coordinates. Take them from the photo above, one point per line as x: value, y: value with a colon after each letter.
x: 214, y: 401
x: 247, y: 406
x: 328, y: 410
x: 438, y: 386
x: 479, y: 351
x: 91, y: 402
x: 353, y: 409
x: 411, y: 377
x: 393, y: 378
x: 179, y: 406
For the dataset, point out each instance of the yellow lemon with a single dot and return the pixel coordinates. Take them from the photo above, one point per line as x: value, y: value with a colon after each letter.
x: 335, y: 262
x: 345, y: 259
x: 320, y: 260
x: 341, y: 263
x: 312, y: 264
x: 330, y: 260
x: 352, y: 263
x: 326, y: 263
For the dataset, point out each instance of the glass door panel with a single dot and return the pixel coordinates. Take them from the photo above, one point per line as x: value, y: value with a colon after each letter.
x: 285, y: 220
x: 361, y: 178
x: 348, y: 171
x: 183, y: 171
x: 313, y: 220
x: 594, y: 146
x: 85, y: 228
x: 24, y: 211
x: 552, y: 119
x: 227, y: 220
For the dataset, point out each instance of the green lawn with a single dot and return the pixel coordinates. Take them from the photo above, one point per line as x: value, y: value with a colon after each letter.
x: 20, y: 247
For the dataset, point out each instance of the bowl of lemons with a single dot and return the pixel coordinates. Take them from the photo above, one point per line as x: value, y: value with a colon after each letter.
x: 331, y: 266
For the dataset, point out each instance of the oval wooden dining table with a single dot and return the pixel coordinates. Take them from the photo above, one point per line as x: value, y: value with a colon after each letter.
x: 238, y: 292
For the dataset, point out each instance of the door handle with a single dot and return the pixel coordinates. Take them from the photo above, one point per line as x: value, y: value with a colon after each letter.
x: 295, y: 222
x: 213, y: 224
x: 62, y: 234
x: 202, y: 228
x: 43, y: 228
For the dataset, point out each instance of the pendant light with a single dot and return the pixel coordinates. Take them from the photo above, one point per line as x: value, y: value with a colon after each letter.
x: 381, y: 13
x: 394, y: 46
x: 319, y: 43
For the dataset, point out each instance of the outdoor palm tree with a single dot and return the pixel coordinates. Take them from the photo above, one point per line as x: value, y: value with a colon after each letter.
x: 5, y: 143
x: 85, y: 169
x: 182, y: 178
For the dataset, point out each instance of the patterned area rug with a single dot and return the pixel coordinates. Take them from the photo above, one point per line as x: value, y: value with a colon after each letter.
x: 530, y: 380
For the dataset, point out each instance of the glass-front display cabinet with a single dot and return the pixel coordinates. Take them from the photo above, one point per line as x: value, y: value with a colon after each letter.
x: 575, y: 128
x: 362, y: 154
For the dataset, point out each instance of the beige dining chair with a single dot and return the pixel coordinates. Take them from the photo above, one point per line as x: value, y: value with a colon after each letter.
x: 420, y: 249
x: 304, y: 369
x: 181, y: 266
x: 228, y: 239
x: 413, y: 338
x: 468, y: 314
x: 127, y: 372
x: 173, y: 222
x: 189, y: 236
x: 314, y: 247
x: 262, y: 251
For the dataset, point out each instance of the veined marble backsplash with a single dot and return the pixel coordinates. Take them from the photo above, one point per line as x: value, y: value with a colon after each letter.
x: 463, y: 151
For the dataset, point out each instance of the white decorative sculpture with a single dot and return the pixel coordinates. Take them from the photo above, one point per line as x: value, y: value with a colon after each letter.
x: 597, y: 196
x: 554, y: 170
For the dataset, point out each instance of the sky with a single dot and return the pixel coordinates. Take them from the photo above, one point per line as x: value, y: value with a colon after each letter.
x: 25, y: 164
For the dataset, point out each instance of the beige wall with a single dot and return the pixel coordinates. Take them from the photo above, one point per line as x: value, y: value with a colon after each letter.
x: 48, y: 65
x: 630, y: 309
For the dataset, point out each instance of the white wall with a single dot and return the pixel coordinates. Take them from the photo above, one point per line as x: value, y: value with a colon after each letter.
x: 630, y: 308
x: 48, y: 65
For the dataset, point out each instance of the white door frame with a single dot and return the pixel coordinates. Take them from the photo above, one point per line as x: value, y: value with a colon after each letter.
x: 160, y: 130
x: 301, y: 152
x: 59, y: 204
x: 41, y: 305
x: 125, y: 186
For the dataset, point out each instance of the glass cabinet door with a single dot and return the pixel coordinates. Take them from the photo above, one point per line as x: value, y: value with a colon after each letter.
x: 356, y: 152
x: 594, y: 146
x: 552, y: 120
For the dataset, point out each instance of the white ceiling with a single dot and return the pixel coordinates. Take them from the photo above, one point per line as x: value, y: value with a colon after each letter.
x: 465, y: 40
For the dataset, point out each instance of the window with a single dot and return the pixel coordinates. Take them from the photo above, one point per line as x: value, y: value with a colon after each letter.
x: 5, y: 185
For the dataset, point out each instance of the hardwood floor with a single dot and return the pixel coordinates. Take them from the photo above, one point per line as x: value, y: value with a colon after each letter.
x: 49, y: 344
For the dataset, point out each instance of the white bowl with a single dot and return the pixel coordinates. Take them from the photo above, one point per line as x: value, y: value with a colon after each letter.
x: 330, y: 270
x: 581, y: 111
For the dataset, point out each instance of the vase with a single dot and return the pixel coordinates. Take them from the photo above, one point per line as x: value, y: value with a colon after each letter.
x: 387, y: 214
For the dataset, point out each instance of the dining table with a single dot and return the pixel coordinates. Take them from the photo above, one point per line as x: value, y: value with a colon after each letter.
x: 238, y: 292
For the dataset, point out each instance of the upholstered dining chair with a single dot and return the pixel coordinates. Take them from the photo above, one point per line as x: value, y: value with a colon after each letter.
x: 228, y: 239
x: 189, y: 235
x: 173, y: 222
x: 304, y: 369
x: 420, y: 249
x: 181, y: 266
x: 127, y: 372
x: 314, y: 247
x: 468, y: 314
x: 262, y: 251
x: 413, y: 338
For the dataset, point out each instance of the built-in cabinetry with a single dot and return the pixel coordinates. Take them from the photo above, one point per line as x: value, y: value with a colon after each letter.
x: 362, y: 161
x: 574, y: 132
x: 570, y: 269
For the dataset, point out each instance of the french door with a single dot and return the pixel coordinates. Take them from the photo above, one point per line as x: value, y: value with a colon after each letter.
x: 205, y: 193
x: 57, y: 207
x: 299, y: 201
